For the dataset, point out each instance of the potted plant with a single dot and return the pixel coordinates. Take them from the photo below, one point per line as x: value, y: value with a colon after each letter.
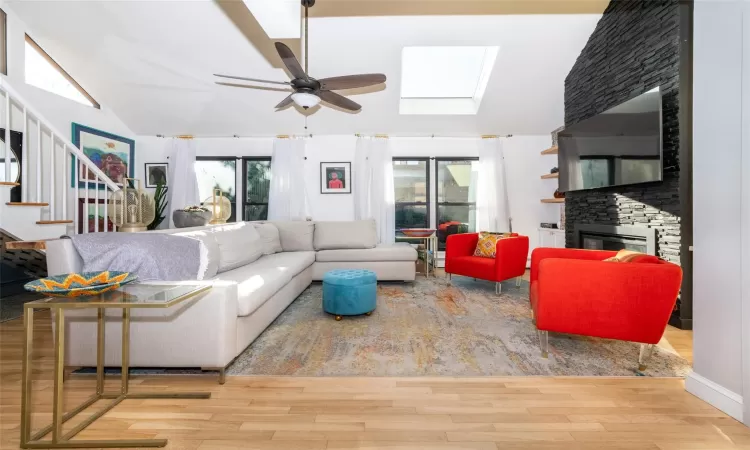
x: 191, y: 216
x: 160, y: 202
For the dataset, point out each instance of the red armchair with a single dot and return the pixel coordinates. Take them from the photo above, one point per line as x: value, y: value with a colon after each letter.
x: 509, y: 262
x: 574, y: 291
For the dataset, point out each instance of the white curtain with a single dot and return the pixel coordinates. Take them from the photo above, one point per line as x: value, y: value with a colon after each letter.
x: 493, y: 207
x: 287, y: 198
x: 374, y: 196
x: 181, y: 178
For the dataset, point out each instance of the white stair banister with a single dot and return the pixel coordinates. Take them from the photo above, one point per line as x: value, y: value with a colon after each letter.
x: 76, y: 168
x: 52, y: 176
x: 74, y: 161
x: 6, y: 136
x: 24, y: 163
x: 38, y: 161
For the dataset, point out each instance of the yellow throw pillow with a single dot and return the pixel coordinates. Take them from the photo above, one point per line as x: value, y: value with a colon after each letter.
x: 626, y: 256
x: 487, y: 243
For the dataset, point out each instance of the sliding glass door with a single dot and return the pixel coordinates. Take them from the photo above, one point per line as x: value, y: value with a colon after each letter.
x: 411, y: 180
x: 257, y: 181
x: 456, y: 184
x: 217, y: 173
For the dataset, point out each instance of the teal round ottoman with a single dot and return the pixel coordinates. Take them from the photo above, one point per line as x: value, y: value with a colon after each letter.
x: 349, y: 292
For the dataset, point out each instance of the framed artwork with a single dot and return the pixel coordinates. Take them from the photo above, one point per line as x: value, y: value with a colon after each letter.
x: 88, y: 211
x: 114, y: 155
x: 335, y: 178
x: 155, y: 173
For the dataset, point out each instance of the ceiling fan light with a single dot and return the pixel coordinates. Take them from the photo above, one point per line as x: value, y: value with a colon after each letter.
x: 305, y: 99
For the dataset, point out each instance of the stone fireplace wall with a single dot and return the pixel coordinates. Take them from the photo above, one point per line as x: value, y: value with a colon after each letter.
x: 634, y: 48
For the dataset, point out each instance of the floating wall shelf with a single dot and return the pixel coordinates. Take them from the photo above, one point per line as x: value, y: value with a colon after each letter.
x: 550, y: 151
x: 550, y: 176
x: 553, y: 200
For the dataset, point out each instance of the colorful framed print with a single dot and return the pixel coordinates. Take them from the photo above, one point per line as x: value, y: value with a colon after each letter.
x: 88, y: 211
x: 114, y: 155
x: 155, y: 173
x: 335, y: 178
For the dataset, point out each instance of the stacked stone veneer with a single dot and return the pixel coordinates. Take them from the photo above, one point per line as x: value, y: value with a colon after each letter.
x: 634, y: 48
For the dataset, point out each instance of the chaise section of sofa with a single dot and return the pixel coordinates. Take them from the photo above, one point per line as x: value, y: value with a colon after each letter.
x: 354, y: 245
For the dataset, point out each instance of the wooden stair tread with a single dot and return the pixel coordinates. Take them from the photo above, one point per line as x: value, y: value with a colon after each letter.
x: 51, y: 222
x: 26, y: 204
x: 550, y: 175
x: 26, y: 245
x: 553, y: 200
x: 8, y: 183
x: 550, y: 151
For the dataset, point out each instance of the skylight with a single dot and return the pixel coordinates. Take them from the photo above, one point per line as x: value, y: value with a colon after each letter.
x: 445, y: 80
x: 43, y: 72
x: 280, y: 19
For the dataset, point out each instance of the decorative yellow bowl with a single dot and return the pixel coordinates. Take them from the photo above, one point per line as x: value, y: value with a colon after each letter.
x: 80, y: 284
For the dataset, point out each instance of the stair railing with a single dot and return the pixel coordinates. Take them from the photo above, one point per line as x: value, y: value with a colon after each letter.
x: 51, y: 180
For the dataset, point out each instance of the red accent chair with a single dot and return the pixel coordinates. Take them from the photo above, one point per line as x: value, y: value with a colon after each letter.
x: 509, y: 262
x: 574, y: 291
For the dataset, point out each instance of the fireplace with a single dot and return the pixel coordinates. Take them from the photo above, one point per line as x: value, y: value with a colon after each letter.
x: 614, y: 237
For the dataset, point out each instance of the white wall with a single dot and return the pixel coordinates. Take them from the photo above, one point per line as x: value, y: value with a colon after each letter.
x: 524, y: 162
x: 720, y: 196
x: 60, y: 111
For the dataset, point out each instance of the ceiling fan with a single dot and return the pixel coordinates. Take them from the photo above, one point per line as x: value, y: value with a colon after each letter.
x: 309, y: 91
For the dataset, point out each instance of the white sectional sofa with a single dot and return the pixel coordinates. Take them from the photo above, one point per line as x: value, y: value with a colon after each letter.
x: 256, y: 271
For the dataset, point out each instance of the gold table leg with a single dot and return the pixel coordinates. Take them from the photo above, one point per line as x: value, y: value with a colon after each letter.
x: 28, y: 344
x: 58, y: 418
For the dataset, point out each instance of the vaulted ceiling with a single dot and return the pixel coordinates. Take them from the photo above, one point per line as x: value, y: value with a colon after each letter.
x: 152, y: 62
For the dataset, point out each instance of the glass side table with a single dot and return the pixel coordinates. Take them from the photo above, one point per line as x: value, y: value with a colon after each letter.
x: 125, y: 298
x: 427, y: 247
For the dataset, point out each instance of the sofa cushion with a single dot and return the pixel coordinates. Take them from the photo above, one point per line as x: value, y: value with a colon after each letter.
x: 255, y: 285
x: 259, y: 281
x: 296, y: 236
x: 395, y: 252
x: 348, y: 234
x: 211, y: 246
x: 269, y: 235
x: 239, y: 245
x: 288, y: 262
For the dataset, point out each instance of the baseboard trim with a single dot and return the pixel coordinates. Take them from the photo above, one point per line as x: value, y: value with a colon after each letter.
x: 715, y: 395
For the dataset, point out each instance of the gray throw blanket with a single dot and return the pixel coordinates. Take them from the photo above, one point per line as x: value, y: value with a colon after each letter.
x: 151, y: 256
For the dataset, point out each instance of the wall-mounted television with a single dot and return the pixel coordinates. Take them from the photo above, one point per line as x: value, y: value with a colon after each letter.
x: 621, y: 146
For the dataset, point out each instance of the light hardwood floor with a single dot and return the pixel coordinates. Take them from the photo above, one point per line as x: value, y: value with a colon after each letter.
x: 391, y: 413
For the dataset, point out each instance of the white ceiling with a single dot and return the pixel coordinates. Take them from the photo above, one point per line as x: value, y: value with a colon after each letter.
x: 152, y: 64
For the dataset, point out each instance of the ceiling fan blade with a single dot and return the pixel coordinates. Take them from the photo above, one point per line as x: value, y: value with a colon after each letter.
x: 290, y: 61
x: 284, y: 103
x: 253, y: 79
x: 339, y: 100
x: 262, y: 88
x: 351, y: 81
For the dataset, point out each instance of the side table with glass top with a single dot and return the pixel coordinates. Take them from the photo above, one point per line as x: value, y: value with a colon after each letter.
x: 427, y: 246
x: 124, y: 298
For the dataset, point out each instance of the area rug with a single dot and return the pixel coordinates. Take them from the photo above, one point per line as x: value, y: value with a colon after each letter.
x: 436, y: 327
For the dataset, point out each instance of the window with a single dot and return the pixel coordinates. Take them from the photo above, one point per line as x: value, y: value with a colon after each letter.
x: 456, y: 184
x: 445, y: 80
x: 411, y: 182
x: 257, y: 185
x: 3, y: 42
x: 43, y: 72
x: 213, y: 173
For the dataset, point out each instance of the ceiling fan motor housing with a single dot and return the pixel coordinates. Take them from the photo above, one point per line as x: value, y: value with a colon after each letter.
x: 306, y: 85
